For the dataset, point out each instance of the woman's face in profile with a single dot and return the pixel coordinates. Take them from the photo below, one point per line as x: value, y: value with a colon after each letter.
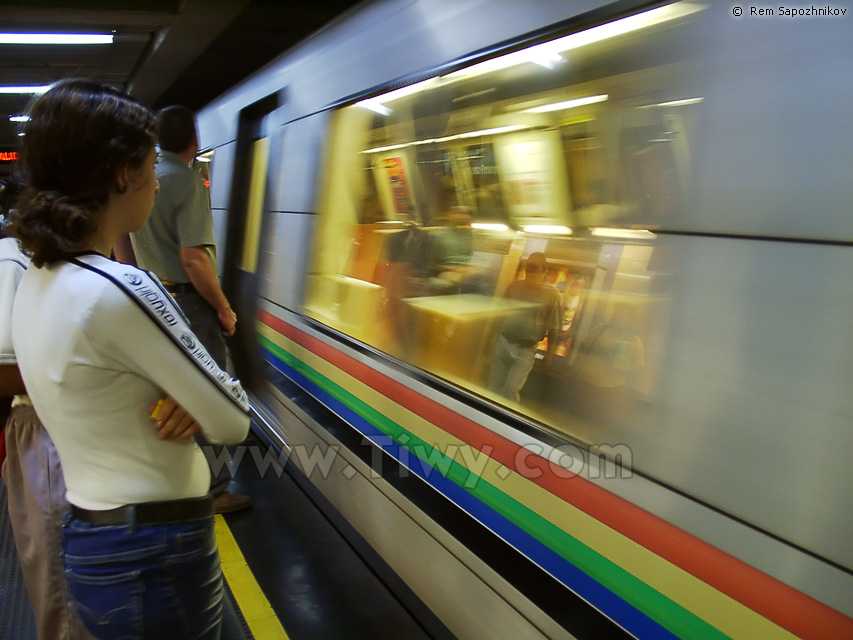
x: 139, y: 197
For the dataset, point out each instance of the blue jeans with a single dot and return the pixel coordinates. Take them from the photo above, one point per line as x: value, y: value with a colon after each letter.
x: 511, y: 364
x: 159, y: 581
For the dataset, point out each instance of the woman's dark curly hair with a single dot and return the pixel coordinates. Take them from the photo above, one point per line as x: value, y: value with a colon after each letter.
x: 80, y: 135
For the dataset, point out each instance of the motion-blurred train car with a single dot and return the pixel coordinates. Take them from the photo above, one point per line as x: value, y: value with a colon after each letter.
x: 673, y: 456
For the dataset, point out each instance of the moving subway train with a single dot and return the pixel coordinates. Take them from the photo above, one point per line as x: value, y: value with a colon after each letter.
x: 552, y: 306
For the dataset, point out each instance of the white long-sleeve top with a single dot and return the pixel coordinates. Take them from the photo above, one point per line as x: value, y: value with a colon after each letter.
x: 94, y: 361
x: 13, y: 265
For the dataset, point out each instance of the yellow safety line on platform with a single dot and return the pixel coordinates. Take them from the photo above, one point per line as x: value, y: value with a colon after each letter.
x: 254, y: 605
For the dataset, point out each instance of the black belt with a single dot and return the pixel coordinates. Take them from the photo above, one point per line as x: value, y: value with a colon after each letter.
x: 181, y: 287
x: 166, y: 512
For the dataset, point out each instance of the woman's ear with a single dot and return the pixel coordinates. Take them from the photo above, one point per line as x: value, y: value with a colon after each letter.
x: 123, y: 178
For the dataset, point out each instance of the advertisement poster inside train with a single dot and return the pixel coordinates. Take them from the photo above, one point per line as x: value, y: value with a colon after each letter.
x: 399, y: 187
x: 529, y: 165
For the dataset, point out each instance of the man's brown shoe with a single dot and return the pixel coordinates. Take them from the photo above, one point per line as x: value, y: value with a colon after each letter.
x: 226, y: 502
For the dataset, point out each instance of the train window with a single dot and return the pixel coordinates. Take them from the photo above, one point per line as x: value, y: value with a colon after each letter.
x: 495, y: 226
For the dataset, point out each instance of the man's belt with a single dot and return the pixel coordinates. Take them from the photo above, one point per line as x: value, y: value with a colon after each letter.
x: 178, y: 287
x: 166, y: 512
x: 522, y: 343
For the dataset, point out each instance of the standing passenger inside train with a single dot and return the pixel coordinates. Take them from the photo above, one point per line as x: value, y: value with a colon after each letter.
x: 177, y: 245
x: 515, y: 349
x: 99, y: 345
x: 451, y: 251
x: 35, y: 486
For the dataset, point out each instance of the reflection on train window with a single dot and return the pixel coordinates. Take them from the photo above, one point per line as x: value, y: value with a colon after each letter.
x: 201, y: 164
x: 495, y: 226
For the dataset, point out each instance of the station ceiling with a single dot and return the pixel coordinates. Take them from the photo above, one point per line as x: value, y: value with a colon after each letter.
x: 164, y: 51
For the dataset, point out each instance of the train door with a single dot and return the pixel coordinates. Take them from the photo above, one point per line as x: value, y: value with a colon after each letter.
x: 246, y: 207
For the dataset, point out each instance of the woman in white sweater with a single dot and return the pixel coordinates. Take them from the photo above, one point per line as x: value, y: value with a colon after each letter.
x: 98, y: 344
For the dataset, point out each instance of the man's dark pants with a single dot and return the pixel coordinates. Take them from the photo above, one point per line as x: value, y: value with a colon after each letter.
x: 206, y: 327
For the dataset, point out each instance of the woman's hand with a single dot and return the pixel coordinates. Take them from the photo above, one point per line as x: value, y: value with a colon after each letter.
x: 173, y: 422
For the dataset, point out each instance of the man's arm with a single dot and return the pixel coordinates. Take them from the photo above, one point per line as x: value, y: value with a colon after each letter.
x: 11, y: 383
x: 123, y: 250
x: 202, y: 276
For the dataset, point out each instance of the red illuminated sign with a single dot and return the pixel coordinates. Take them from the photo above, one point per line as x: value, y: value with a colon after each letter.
x: 8, y: 156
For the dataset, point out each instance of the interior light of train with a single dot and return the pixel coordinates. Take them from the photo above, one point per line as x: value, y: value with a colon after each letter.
x: 613, y: 29
x: 680, y: 103
x: 627, y: 234
x: 202, y: 159
x: 548, y: 229
x: 568, y: 104
x: 546, y: 58
x: 55, y: 38
x: 644, y: 20
x: 25, y: 89
x: 485, y: 132
x: 19, y: 118
x: 377, y: 104
x: 376, y: 107
x: 391, y: 147
x: 489, y: 226
x: 458, y: 136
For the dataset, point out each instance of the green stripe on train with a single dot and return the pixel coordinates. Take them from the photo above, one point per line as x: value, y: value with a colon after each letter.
x: 651, y: 602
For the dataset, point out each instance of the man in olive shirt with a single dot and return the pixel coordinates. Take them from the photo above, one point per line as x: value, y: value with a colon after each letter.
x: 177, y: 244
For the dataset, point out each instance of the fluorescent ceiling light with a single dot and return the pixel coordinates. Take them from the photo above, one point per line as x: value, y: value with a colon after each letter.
x: 627, y: 234
x: 636, y: 22
x: 546, y: 58
x: 376, y: 107
x: 19, y: 118
x: 55, y: 38
x: 377, y: 104
x: 489, y: 226
x: 568, y: 104
x: 458, y: 136
x: 21, y: 89
x: 547, y: 229
x: 548, y: 50
x: 485, y: 132
x: 680, y: 103
x: 391, y: 147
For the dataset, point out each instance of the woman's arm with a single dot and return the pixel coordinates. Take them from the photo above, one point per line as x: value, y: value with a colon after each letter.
x: 123, y: 331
